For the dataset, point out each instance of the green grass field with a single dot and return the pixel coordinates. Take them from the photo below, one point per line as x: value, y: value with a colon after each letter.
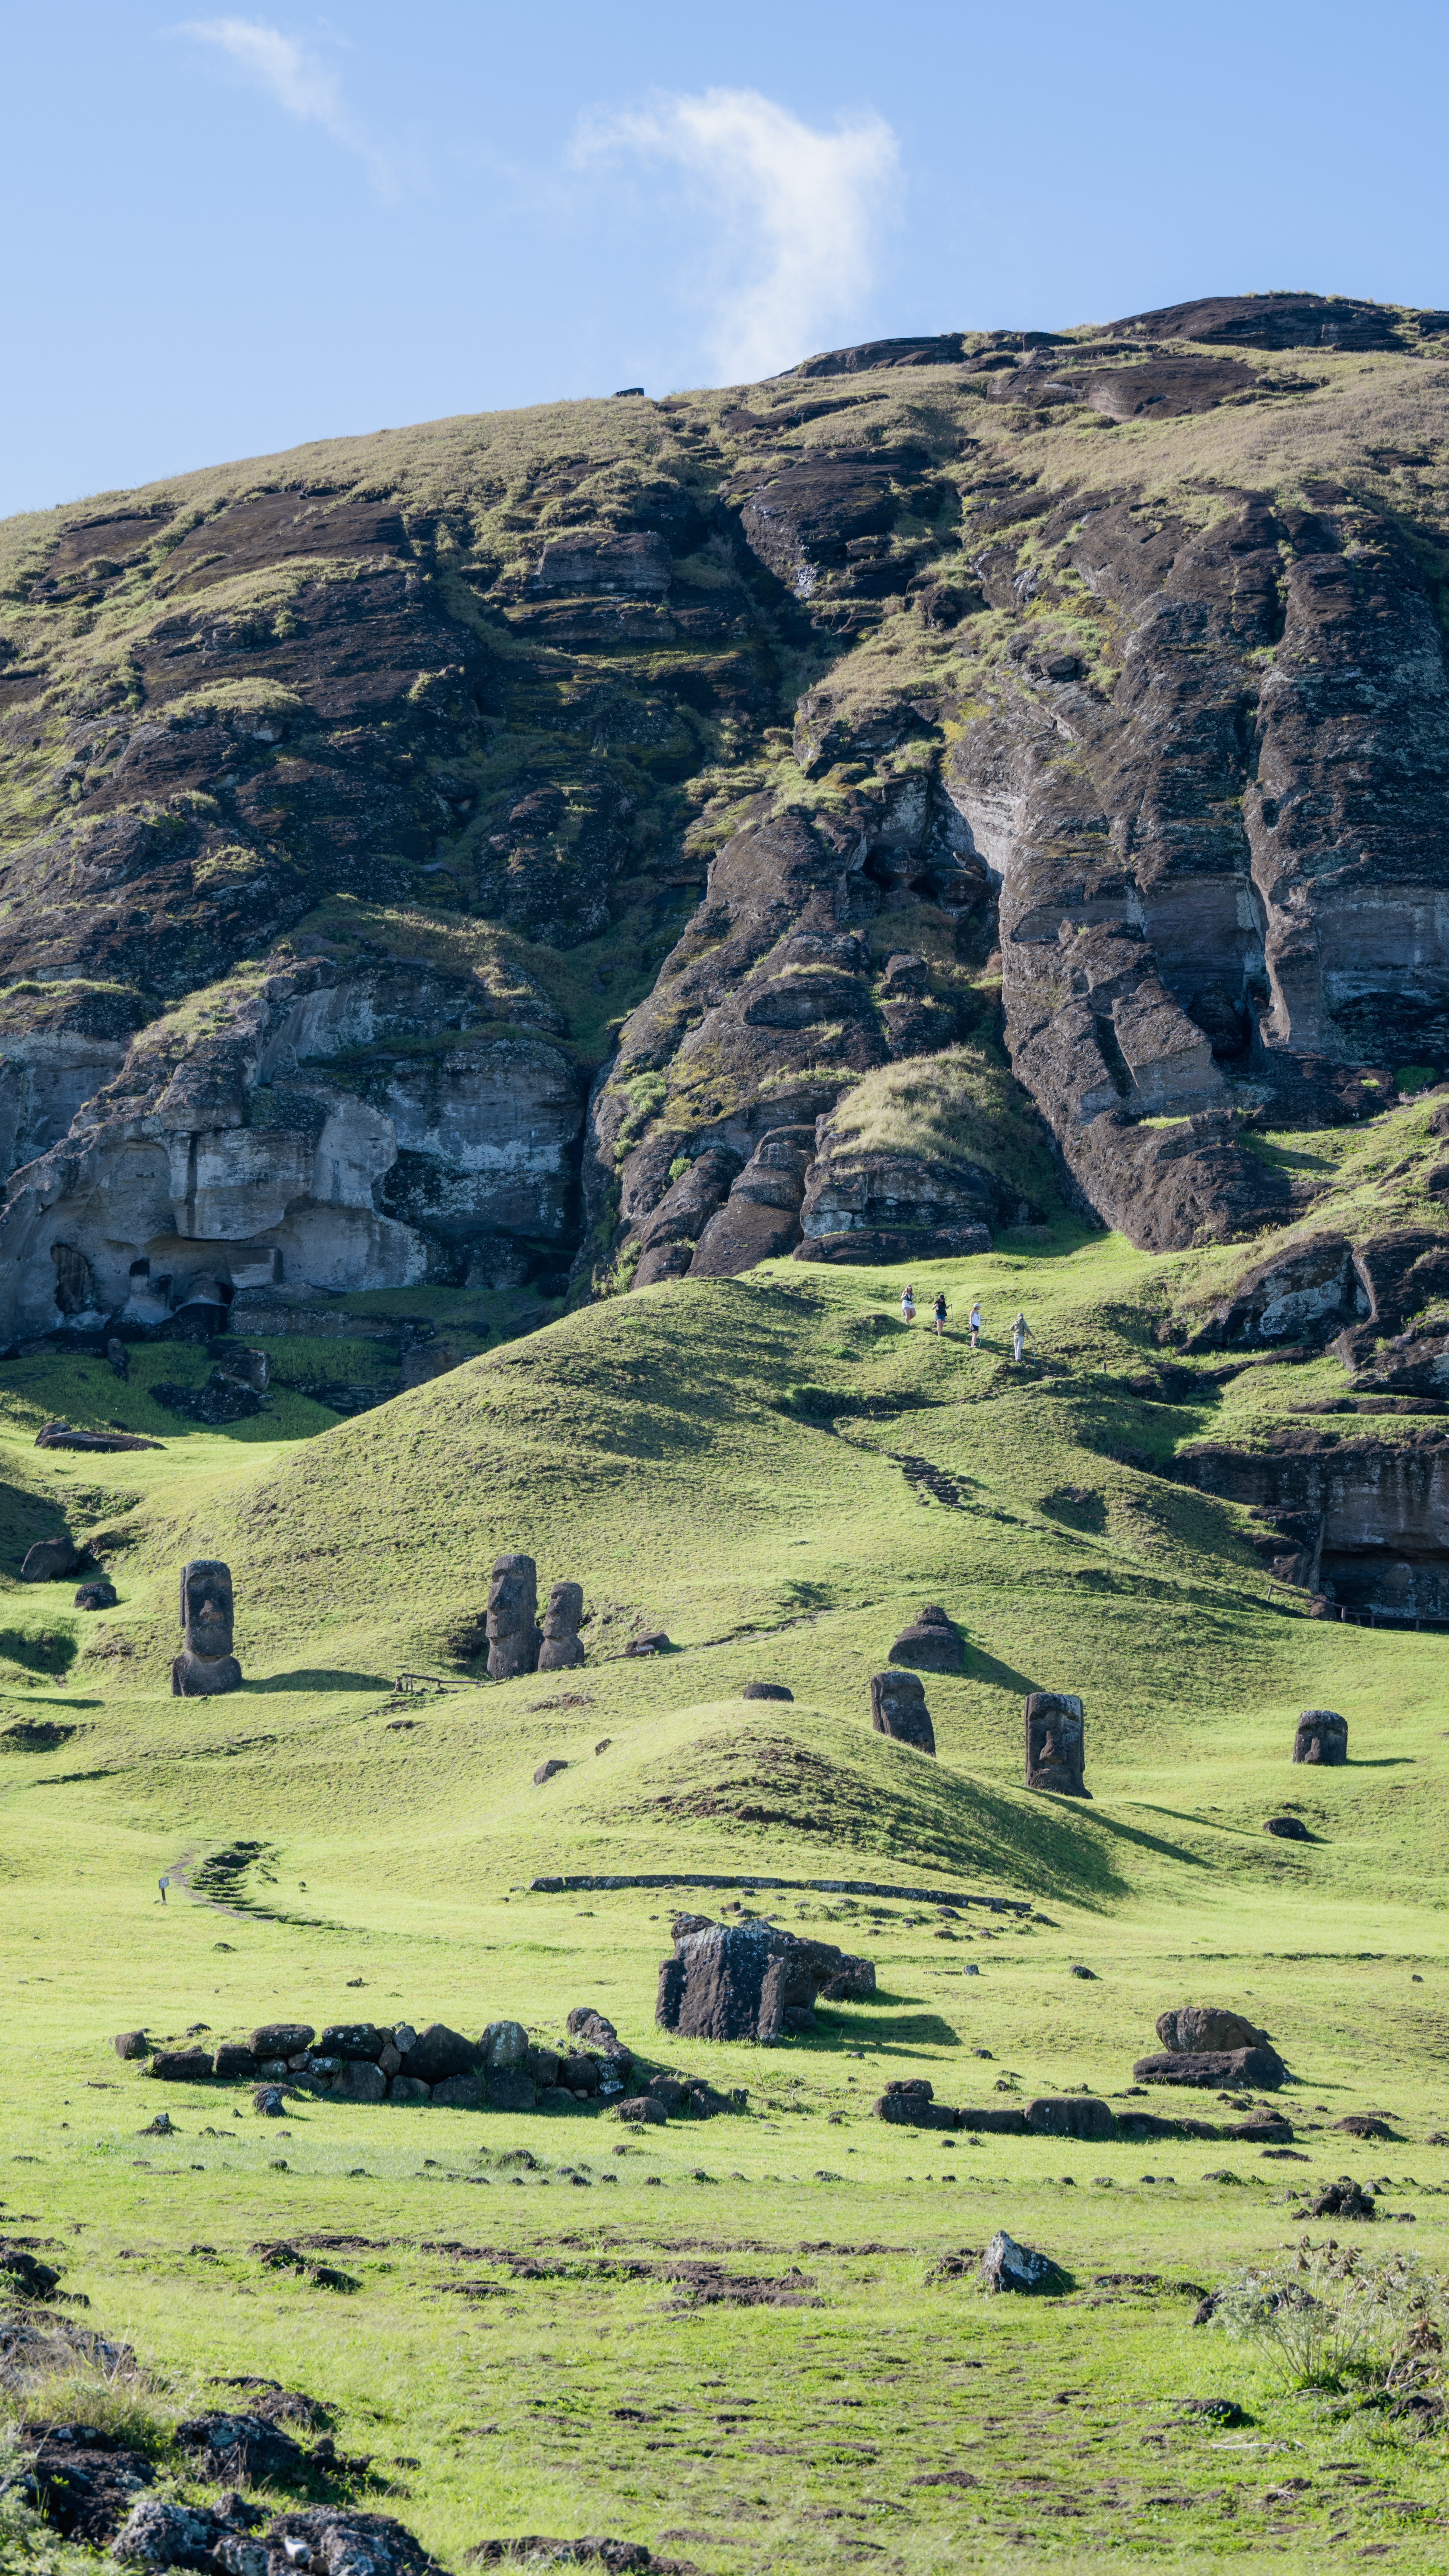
x: 724, y: 1461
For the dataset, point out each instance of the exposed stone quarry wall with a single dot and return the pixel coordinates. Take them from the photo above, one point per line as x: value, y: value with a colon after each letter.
x: 794, y: 738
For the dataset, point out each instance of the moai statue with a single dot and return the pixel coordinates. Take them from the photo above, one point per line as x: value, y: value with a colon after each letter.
x: 206, y: 1664
x: 513, y: 1618
x: 1321, y: 1736
x: 562, y: 1645
x: 898, y: 1708
x: 1056, y: 1744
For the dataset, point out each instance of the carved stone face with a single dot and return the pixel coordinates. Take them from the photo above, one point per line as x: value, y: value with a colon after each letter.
x: 206, y: 1606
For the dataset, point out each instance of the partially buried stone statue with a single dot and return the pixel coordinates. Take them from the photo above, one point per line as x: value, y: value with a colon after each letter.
x: 1321, y: 1736
x: 206, y: 1664
x: 513, y: 1638
x: 898, y: 1708
x: 1056, y: 1749
x: 562, y: 1645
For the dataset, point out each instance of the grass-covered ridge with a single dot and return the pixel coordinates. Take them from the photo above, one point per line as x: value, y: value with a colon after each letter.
x: 524, y: 2350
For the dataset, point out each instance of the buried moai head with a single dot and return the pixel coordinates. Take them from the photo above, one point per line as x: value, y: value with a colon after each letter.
x: 513, y: 1638
x: 898, y: 1708
x: 1056, y: 1744
x: 1321, y: 1736
x: 206, y: 1663
x: 562, y: 1645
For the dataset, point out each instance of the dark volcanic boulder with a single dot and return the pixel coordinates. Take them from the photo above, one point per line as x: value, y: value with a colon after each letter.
x: 1005, y: 2265
x: 909, y: 2104
x: 898, y: 1708
x: 1342, y: 2199
x: 97, y: 1596
x: 236, y: 2061
x: 1069, y: 2115
x: 131, y: 2043
x: 241, y: 2450
x: 766, y: 1690
x: 83, y: 2484
x: 438, y: 2053
x: 1004, y: 2123
x: 182, y: 2065
x: 1287, y: 1829
x: 1197, y: 2026
x: 50, y: 1560
x: 353, y: 2039
x: 282, y: 2038
x: 508, y: 2089
x: 1211, y: 2067
x: 332, y: 2543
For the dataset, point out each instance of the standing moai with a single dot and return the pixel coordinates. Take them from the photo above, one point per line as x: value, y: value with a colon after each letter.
x: 1056, y: 1744
x: 206, y: 1664
x: 562, y: 1645
x: 1321, y: 1736
x: 898, y: 1708
x: 513, y: 1638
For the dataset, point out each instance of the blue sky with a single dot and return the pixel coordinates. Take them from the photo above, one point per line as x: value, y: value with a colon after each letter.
x: 226, y: 233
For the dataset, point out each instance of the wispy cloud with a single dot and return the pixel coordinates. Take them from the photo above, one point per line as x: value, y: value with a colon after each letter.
x: 297, y: 81
x: 797, y: 211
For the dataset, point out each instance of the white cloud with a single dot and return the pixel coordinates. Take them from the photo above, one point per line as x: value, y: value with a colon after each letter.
x: 297, y: 81
x: 797, y: 214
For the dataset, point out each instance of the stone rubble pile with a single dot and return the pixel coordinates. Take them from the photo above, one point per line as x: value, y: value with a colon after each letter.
x: 502, y: 2070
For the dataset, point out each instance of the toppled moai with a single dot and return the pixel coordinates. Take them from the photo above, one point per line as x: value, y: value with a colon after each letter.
x: 1056, y: 1744
x: 1321, y: 1736
x: 931, y: 1644
x: 206, y: 1664
x: 513, y: 1632
x: 751, y: 1981
x: 1208, y: 2046
x: 562, y: 1645
x: 898, y: 1708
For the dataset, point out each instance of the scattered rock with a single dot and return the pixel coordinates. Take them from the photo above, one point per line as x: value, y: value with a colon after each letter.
x: 766, y: 1690
x: 898, y: 1708
x: 182, y: 2065
x: 1321, y: 1736
x: 562, y: 1646
x: 533, y: 2551
x: 268, y: 2099
x: 1069, y: 2115
x: 1089, y: 1973
x: 163, y: 2126
x: 1222, y: 2411
x: 644, y: 2110
x: 23, y: 2277
x: 653, y: 1642
x: 131, y: 2043
x: 1005, y: 2265
x: 82, y: 2484
x: 241, y: 2450
x: 97, y: 1596
x: 1193, y: 2027
x: 330, y: 2543
x: 1004, y: 2123
x: 282, y: 2038
x: 546, y: 1771
x: 1289, y: 1829
x: 931, y: 1644
x: 155, y: 2534
x: 909, y: 2103
x: 1056, y: 1742
x: 1342, y: 2199
x: 1264, y: 2129
x: 1364, y: 2124
x: 1214, y: 2067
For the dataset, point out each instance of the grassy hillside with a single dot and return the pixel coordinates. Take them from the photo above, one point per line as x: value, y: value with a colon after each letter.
x: 777, y: 1471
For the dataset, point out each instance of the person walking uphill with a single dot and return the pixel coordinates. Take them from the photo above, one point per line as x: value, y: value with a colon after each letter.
x: 1020, y: 1332
x: 908, y: 1305
x: 974, y: 1323
x: 939, y: 1313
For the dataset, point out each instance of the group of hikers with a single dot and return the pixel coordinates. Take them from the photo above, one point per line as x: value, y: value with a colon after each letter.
x: 1021, y: 1332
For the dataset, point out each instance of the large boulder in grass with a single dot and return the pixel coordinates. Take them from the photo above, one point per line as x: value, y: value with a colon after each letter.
x: 1069, y: 2115
x: 931, y: 1644
x: 353, y: 2039
x: 1193, y: 2027
x: 909, y: 2104
x: 282, y: 2038
x: 438, y: 2054
x: 1005, y: 2265
x: 182, y: 2065
x: 1213, y: 2069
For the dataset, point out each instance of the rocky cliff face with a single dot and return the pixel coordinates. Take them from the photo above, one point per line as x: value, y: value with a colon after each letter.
x: 834, y: 813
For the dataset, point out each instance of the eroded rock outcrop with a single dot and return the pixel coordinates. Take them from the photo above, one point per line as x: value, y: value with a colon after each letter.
x: 751, y: 1981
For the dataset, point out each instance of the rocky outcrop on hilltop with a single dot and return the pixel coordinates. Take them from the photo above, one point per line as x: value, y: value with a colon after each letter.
x: 550, y: 838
